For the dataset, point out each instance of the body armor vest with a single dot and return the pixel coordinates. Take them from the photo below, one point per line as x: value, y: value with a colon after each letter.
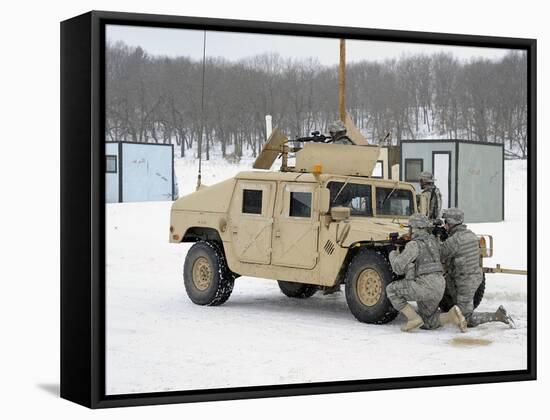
x: 466, y: 261
x: 429, y: 259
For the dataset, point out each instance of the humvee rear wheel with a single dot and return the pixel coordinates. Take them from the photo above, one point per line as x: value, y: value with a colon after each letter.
x: 367, y: 277
x: 449, y: 300
x: 297, y: 290
x: 207, y: 279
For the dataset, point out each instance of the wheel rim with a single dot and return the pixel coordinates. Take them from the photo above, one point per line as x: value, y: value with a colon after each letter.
x: 202, y: 273
x: 369, y: 287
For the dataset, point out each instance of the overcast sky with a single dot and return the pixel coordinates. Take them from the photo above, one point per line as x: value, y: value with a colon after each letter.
x: 234, y: 46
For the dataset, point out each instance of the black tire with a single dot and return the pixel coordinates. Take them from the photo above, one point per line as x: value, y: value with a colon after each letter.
x: 449, y: 301
x: 446, y: 303
x: 478, y: 296
x: 219, y: 285
x: 297, y: 290
x: 381, y: 310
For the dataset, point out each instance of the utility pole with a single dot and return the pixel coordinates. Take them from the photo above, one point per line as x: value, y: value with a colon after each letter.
x: 342, y: 82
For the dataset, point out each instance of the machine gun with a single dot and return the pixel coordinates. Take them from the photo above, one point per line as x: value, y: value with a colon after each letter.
x: 316, y: 137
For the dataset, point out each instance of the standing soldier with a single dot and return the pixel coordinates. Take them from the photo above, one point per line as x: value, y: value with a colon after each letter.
x: 430, y: 197
x: 338, y: 131
x: 424, y: 283
x: 460, y: 253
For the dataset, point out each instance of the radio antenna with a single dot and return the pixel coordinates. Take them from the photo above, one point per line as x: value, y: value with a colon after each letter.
x: 202, y: 109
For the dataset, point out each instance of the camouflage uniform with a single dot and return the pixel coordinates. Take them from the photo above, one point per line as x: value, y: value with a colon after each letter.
x: 460, y: 254
x: 337, y: 132
x: 424, y: 282
x: 430, y: 197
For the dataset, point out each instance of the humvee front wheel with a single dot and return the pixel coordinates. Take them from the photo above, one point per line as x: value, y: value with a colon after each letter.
x: 207, y: 279
x: 367, y: 277
x: 297, y: 290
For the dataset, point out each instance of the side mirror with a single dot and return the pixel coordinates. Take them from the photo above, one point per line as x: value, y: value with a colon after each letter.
x: 340, y: 213
x: 324, y: 200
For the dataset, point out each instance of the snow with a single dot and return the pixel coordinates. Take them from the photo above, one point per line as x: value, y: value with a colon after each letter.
x: 158, y: 340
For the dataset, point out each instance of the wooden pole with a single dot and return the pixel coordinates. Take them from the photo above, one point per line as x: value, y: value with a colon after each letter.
x: 342, y: 81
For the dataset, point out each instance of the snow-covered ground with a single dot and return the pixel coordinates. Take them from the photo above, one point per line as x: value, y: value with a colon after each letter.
x: 157, y: 340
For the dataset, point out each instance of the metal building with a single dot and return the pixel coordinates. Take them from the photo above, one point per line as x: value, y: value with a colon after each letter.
x: 139, y: 172
x: 470, y: 175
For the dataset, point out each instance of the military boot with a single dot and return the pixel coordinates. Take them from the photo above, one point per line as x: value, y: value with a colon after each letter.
x: 413, y: 319
x: 454, y: 316
x: 500, y: 315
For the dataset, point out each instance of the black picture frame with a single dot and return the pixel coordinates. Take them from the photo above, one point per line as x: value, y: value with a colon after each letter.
x: 83, y: 200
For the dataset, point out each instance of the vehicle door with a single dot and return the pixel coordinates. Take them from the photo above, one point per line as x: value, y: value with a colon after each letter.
x: 251, y: 220
x: 296, y: 226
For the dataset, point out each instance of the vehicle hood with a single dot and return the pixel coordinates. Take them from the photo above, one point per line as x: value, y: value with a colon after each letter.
x: 213, y: 199
x: 374, y: 229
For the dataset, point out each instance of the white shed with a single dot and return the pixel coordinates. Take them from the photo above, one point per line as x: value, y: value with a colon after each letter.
x: 139, y: 172
x: 470, y: 175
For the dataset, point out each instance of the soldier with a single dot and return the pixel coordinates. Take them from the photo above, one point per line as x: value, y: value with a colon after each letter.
x: 430, y: 197
x: 424, y: 282
x: 337, y: 132
x: 460, y: 253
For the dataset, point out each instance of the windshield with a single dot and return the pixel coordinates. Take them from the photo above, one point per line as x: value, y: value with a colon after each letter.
x: 355, y: 196
x: 399, y: 203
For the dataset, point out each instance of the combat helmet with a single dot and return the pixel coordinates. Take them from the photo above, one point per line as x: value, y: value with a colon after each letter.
x: 336, y: 127
x: 453, y: 216
x: 419, y: 221
x: 426, y: 177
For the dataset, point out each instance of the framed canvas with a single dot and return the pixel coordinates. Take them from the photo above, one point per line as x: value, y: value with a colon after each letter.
x: 238, y: 198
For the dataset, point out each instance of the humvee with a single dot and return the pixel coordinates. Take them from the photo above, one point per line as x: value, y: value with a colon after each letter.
x: 323, y: 223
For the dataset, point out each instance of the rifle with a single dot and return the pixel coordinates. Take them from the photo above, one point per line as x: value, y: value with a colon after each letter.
x: 439, y: 231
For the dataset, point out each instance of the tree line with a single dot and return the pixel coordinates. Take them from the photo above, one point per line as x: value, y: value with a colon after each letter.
x: 162, y: 99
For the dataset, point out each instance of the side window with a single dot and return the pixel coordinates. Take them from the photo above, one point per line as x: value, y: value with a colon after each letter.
x: 110, y: 164
x: 252, y: 201
x: 390, y: 202
x: 300, y: 204
x: 378, y: 171
x: 413, y: 167
x: 355, y: 196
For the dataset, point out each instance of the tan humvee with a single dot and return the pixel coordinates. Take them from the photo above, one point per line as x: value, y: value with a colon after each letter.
x: 314, y: 226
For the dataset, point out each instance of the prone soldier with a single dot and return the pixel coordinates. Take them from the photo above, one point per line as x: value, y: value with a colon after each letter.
x: 424, y: 283
x: 430, y: 197
x: 460, y: 253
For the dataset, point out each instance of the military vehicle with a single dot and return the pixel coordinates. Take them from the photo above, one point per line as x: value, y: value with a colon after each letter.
x: 314, y: 226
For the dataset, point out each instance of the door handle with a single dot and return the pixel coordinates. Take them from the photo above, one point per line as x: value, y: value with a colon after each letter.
x: 277, y: 233
x: 234, y: 229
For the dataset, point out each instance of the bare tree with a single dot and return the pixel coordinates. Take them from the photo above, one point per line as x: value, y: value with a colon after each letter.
x: 158, y: 99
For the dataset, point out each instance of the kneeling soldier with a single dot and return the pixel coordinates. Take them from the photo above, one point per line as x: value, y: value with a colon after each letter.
x: 424, y: 282
x: 460, y: 253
